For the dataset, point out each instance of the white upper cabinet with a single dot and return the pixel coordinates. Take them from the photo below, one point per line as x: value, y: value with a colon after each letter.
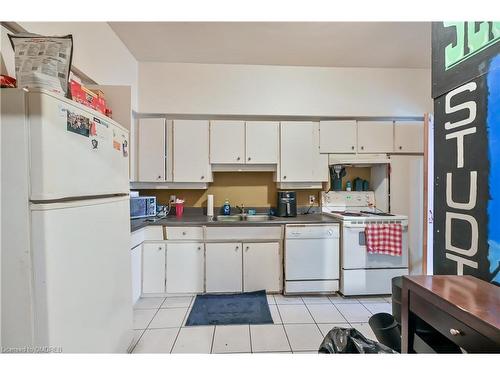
x: 152, y: 150
x: 299, y: 156
x: 191, y: 151
x: 227, y: 142
x: 409, y: 137
x: 262, y: 142
x: 375, y: 137
x: 338, y: 137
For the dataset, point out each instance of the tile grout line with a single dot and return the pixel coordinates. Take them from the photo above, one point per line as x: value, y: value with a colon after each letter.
x: 145, y: 329
x: 314, y: 320
x: 183, y: 320
x: 284, y: 329
x: 179, y: 331
x: 343, y: 316
x: 250, y: 335
x: 213, y: 339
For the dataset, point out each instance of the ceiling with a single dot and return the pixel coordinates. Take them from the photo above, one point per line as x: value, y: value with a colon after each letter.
x: 339, y: 44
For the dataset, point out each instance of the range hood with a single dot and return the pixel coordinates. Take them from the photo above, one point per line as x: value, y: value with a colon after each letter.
x: 358, y: 159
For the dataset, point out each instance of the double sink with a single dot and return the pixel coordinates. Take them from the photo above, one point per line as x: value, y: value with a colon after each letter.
x: 244, y: 217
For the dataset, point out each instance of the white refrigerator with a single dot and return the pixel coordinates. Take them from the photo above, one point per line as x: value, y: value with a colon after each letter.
x: 65, y: 255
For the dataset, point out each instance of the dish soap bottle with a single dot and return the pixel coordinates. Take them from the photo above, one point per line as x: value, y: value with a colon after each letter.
x: 226, y: 208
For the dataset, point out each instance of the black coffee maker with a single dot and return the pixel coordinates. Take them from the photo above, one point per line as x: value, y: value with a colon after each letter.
x: 287, y: 204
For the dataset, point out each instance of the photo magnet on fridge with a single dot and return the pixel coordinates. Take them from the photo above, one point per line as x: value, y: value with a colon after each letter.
x: 77, y: 124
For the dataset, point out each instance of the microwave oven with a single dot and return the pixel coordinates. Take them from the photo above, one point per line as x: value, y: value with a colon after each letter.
x: 142, y: 207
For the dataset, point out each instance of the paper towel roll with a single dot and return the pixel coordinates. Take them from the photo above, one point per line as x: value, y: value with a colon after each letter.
x: 210, y: 205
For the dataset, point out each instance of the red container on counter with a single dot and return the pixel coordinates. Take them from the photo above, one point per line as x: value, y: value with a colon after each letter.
x: 179, y: 209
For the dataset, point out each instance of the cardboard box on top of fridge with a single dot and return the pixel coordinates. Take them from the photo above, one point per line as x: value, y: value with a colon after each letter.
x: 86, y: 97
x: 98, y: 92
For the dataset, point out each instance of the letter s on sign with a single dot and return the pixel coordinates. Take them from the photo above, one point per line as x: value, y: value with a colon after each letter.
x: 471, y: 106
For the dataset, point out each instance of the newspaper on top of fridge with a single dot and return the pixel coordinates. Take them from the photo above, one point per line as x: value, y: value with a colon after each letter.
x: 42, y: 62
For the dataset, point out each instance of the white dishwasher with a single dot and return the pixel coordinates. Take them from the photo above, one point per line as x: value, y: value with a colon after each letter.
x: 312, y: 258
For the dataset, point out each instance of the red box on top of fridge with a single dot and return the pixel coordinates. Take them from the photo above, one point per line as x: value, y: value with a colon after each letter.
x: 86, y: 97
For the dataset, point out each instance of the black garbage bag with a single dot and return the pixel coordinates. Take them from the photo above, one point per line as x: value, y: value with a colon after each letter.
x: 350, y: 341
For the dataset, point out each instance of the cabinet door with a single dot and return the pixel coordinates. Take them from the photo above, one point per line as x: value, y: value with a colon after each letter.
x: 191, y: 151
x: 185, y: 267
x: 375, y: 136
x: 153, y: 267
x: 227, y: 142
x: 337, y: 137
x: 136, y: 272
x: 261, y: 267
x: 262, y: 140
x: 409, y: 136
x: 319, y: 167
x: 223, y: 267
x: 297, y: 151
x: 152, y: 151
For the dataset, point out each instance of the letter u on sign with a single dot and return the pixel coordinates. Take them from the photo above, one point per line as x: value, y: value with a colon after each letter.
x: 472, y: 193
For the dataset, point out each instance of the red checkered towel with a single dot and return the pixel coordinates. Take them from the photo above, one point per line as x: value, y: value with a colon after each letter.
x: 384, y: 239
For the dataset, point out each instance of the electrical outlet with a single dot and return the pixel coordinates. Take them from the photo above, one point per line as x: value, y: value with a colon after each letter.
x: 312, y: 199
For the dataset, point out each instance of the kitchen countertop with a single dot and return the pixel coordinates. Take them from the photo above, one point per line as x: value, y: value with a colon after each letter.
x: 196, y: 219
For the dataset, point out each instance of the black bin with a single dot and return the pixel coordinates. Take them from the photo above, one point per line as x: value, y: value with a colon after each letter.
x: 387, y: 330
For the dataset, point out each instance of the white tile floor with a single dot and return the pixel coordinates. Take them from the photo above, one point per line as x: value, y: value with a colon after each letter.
x: 300, y: 323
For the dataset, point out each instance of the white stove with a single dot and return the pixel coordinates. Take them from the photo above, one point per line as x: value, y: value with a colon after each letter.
x: 356, y: 206
x: 363, y: 273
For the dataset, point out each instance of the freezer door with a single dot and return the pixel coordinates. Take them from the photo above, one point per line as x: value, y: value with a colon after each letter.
x: 82, y: 281
x: 74, y: 151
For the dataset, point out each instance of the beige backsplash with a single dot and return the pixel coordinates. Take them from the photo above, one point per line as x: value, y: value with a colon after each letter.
x: 253, y: 189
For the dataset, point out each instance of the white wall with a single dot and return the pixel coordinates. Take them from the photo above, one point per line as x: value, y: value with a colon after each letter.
x: 97, y: 52
x: 407, y: 198
x: 282, y: 90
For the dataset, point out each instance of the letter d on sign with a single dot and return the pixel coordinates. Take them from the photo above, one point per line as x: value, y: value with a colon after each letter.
x: 472, y: 250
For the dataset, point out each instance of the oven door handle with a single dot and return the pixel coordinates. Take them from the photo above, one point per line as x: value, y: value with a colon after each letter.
x: 346, y: 225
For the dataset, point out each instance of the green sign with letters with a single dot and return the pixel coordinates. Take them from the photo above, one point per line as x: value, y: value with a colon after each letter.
x: 471, y: 38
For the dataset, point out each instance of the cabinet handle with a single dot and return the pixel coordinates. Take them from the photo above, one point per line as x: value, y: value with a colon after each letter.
x: 400, y: 147
x: 202, y: 177
x: 237, y: 247
x: 455, y: 332
x: 199, y: 248
x: 284, y: 177
x: 249, y: 158
x: 352, y: 147
x: 160, y: 248
x: 159, y: 177
x: 238, y: 158
x: 183, y: 233
x: 362, y: 147
x: 247, y: 248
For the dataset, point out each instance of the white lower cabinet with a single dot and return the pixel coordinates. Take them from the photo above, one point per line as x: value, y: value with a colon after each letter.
x: 224, y: 267
x: 261, y: 266
x: 136, y: 272
x: 190, y: 264
x: 153, y: 267
x: 185, y: 267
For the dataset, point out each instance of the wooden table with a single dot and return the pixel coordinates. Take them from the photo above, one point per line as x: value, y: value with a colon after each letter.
x: 463, y: 308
